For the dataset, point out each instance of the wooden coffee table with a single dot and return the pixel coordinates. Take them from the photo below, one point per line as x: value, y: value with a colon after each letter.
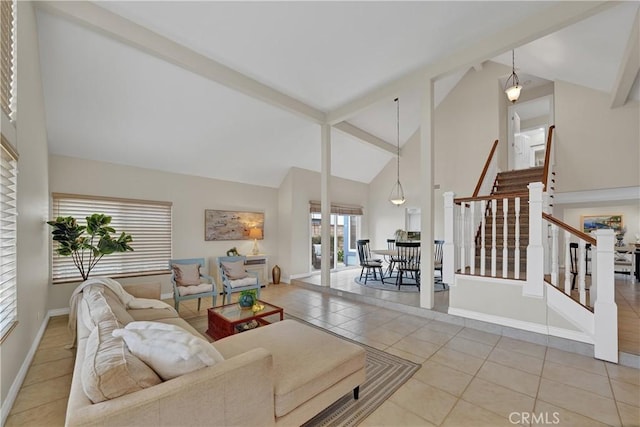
x: 228, y: 319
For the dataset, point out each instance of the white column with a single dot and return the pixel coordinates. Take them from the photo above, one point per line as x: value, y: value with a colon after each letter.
x: 325, y: 200
x: 494, y: 207
x: 516, y: 251
x: 605, y: 310
x: 534, y: 286
x: 448, y: 249
x: 426, y: 192
x: 554, y: 255
x: 505, y: 233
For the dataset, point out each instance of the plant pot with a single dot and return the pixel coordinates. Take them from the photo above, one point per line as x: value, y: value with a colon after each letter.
x: 245, y: 301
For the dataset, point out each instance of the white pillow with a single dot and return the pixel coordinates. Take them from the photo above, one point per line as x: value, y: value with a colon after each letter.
x: 168, y: 349
x: 243, y: 282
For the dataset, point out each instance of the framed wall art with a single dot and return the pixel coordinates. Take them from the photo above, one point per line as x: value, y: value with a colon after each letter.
x: 597, y: 222
x: 231, y: 225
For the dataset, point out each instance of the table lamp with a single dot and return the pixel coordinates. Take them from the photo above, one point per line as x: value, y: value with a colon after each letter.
x: 255, y: 234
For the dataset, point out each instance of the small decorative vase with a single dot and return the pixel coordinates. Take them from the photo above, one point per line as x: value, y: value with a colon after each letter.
x: 275, y: 274
x: 245, y: 301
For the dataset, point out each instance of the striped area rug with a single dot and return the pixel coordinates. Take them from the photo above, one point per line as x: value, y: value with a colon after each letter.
x: 385, y: 374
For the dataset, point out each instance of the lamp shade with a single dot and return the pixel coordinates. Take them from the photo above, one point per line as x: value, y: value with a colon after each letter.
x: 513, y: 92
x: 255, y: 233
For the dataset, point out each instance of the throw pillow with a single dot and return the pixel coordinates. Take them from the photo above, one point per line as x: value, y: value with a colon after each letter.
x: 186, y: 274
x: 170, y: 350
x: 109, y: 369
x: 234, y: 269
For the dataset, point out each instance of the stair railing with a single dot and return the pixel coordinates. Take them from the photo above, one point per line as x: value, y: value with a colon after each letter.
x: 489, y: 173
x: 548, y: 174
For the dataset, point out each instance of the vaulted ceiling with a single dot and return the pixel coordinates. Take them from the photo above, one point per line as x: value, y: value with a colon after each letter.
x: 237, y: 90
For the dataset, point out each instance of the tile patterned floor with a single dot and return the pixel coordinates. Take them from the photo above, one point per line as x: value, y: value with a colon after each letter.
x: 468, y: 377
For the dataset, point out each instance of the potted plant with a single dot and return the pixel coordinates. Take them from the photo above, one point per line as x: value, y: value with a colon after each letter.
x: 248, y: 297
x: 86, y: 245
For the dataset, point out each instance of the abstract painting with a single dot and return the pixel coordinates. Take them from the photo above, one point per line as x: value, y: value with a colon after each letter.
x: 231, y: 225
x: 598, y: 222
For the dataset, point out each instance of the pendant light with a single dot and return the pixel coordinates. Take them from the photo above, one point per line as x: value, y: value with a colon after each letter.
x: 512, y: 86
x: 397, y: 193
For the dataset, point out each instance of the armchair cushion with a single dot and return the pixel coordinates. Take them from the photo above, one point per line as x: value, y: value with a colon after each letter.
x: 195, y: 289
x: 246, y: 281
x: 186, y: 274
x: 169, y: 349
x: 234, y: 269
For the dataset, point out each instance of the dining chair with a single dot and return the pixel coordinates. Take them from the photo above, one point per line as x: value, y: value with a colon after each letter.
x: 367, y: 263
x: 408, y: 263
x: 189, y: 282
x: 393, y: 259
x: 437, y: 262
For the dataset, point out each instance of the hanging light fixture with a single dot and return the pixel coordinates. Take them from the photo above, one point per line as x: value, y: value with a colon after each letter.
x: 512, y: 86
x: 397, y: 193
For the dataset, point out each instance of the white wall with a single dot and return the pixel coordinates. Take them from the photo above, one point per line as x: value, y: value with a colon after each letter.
x: 304, y: 186
x: 33, y: 202
x: 190, y: 196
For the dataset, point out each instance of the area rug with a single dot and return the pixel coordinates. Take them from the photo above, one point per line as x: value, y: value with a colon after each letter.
x: 385, y: 374
x: 390, y: 284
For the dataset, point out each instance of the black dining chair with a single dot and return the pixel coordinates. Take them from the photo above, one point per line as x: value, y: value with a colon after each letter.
x: 408, y: 262
x: 437, y: 262
x: 393, y: 259
x: 368, y: 264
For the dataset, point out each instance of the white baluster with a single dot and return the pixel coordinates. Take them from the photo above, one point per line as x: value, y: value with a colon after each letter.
x: 472, y: 235
x: 554, y: 255
x: 516, y: 252
x: 582, y: 273
x: 505, y: 233
x: 567, y: 263
x: 483, y: 249
x: 463, y: 239
x: 494, y: 208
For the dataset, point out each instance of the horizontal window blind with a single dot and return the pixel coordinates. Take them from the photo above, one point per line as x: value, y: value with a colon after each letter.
x: 148, y: 222
x: 338, y: 209
x: 6, y: 55
x: 8, y: 238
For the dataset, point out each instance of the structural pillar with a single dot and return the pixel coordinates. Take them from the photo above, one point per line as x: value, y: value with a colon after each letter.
x: 325, y: 211
x: 426, y: 196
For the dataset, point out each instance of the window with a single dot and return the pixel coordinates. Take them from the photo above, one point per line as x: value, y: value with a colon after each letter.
x: 7, y: 63
x: 148, y: 222
x: 8, y: 238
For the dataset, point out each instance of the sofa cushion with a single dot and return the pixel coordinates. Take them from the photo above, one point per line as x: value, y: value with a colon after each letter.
x: 151, y: 314
x: 170, y: 350
x: 116, y: 306
x: 292, y: 346
x: 234, y: 269
x: 186, y: 274
x: 96, y: 308
x: 109, y: 369
x: 238, y: 283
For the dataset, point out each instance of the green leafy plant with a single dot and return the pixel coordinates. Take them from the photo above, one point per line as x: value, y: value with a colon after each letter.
x: 87, y: 244
x: 251, y: 292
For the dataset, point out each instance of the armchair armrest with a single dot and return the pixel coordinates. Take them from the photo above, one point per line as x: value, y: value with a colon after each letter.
x: 210, y: 279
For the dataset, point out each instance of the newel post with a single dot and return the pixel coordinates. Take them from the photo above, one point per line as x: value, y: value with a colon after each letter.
x: 448, y: 249
x: 605, y: 310
x: 534, y: 286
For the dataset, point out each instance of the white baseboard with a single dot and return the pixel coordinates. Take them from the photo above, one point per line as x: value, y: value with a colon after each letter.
x: 500, y: 320
x: 570, y: 335
x: 8, y: 402
x: 59, y: 312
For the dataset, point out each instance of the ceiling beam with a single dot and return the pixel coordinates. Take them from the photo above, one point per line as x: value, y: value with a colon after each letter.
x: 130, y: 33
x: 629, y: 67
x: 365, y: 136
x: 544, y: 23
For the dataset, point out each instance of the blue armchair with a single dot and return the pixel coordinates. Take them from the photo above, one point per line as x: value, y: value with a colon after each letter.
x: 235, y: 277
x: 202, y: 285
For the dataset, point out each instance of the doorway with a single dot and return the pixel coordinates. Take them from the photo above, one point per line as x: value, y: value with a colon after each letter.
x: 528, y: 124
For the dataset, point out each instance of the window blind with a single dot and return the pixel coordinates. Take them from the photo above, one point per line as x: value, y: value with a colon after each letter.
x: 148, y: 222
x: 338, y: 209
x: 6, y: 55
x: 8, y: 238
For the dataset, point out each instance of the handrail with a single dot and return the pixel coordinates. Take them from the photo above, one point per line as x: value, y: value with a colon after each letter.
x: 547, y: 157
x: 501, y: 196
x: 570, y: 229
x: 486, y: 168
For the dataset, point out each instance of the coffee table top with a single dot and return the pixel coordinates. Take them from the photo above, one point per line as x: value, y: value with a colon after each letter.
x: 234, y: 313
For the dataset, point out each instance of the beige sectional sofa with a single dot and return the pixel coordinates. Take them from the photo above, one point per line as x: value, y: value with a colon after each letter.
x: 280, y: 374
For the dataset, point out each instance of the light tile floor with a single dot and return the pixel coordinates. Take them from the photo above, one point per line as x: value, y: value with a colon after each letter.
x: 468, y: 377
